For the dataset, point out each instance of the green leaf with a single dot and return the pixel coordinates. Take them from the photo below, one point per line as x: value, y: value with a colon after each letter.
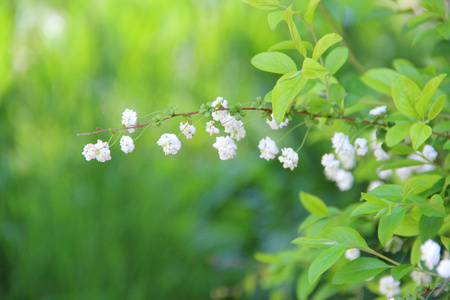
x: 432, y: 32
x: 263, y: 4
x: 415, y: 252
x: 314, y: 242
x: 284, y: 93
x: 304, y: 288
x: 359, y: 270
x: 419, y: 134
x: 284, y: 45
x: 397, y: 133
x: 436, y: 108
x: 324, y: 43
x: 375, y: 200
x: 293, y: 31
x: 444, y: 30
x: 435, y: 208
x: 420, y: 19
x: 398, y: 272
x: 309, y: 14
x: 380, y: 79
x: 336, y: 92
x: 446, y: 242
x: 405, y: 93
x: 268, y: 97
x: 407, y: 162
x: 407, y: 69
x: 409, y: 226
x: 410, y: 185
x: 274, y: 18
x: 344, y: 236
x: 336, y: 59
x: 313, y: 204
x: 312, y: 69
x: 366, y: 208
x: 267, y: 258
x: 388, y: 223
x: 429, y: 227
x: 439, y: 7
x: 427, y: 93
x: 401, y: 150
x: 274, y: 62
x: 323, y: 262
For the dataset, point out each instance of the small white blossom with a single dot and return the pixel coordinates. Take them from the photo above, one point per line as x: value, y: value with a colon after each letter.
x: 226, y: 147
x: 344, y: 180
x: 444, y: 268
x: 274, y: 125
x: 431, y: 253
x: 404, y: 173
x: 221, y: 114
x: 211, y: 129
x: 420, y: 278
x: 361, y: 146
x: 378, y: 111
x: 344, y: 150
x: 394, y: 245
x: 374, y: 184
x: 380, y: 154
x: 289, y: 158
x: 187, y: 129
x: 103, y: 152
x: 170, y: 143
x: 385, y: 174
x: 429, y: 153
x: 234, y: 127
x: 89, y: 152
x: 352, y: 254
x: 331, y: 166
x: 268, y: 148
x: 129, y: 118
x: 388, y: 286
x: 126, y: 144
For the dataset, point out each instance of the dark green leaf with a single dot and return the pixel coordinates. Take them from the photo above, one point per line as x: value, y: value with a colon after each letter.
x: 429, y: 227
x: 359, y: 270
x: 388, y: 223
x: 398, y: 272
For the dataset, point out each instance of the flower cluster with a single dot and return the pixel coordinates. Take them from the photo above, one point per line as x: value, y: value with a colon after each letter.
x: 431, y: 255
x: 99, y: 151
x: 388, y: 286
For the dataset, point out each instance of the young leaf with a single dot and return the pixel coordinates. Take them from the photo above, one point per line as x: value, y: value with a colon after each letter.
x: 284, y: 45
x: 284, y: 93
x: 398, y: 272
x: 314, y: 242
x: 294, y: 32
x: 427, y: 93
x: 359, y: 270
x: 274, y: 18
x: 345, y: 236
x: 401, y: 150
x: 397, y: 133
x: 274, y: 62
x: 429, y: 227
x: 410, y: 185
x: 336, y: 59
x: 405, y: 93
x: 324, y: 43
x: 312, y: 69
x: 409, y: 226
x: 436, y: 207
x: 313, y: 204
x: 380, y: 79
x: 388, y: 223
x: 436, y: 108
x: 323, y: 262
x: 309, y: 14
x: 375, y: 200
x: 366, y: 208
x: 419, y: 134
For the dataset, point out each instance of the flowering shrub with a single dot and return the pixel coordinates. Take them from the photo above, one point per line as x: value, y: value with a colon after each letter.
x: 394, y: 240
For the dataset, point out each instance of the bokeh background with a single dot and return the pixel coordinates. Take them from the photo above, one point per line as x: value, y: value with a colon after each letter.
x: 145, y: 225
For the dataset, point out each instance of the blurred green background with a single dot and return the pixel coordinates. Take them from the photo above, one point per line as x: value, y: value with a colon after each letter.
x: 145, y: 225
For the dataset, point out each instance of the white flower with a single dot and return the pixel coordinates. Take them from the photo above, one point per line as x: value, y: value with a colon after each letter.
x: 289, y: 158
x: 344, y: 180
x: 344, y: 150
x: 388, y: 286
x: 221, y: 114
x: 352, y: 254
x: 374, y: 184
x: 420, y: 278
x: 211, y: 129
x: 338, y: 140
x: 129, y: 118
x: 89, y: 152
x: 380, y: 154
x: 429, y: 153
x: 226, y: 147
x: 361, y: 146
x: 170, y: 143
x: 404, y: 173
x: 394, y: 245
x: 268, y: 148
x: 274, y: 125
x: 103, y: 152
x: 331, y: 166
x: 444, y: 268
x: 234, y: 127
x: 126, y: 144
x: 431, y: 253
x: 385, y: 174
x: 378, y: 111
x: 187, y: 129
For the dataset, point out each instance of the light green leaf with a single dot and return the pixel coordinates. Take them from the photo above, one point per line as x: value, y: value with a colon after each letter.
x: 439, y: 7
x: 398, y: 272
x: 397, y: 133
x: 314, y: 242
x: 336, y: 93
x: 388, y: 223
x: 313, y: 204
x: 344, y: 236
x: 407, y: 69
x: 359, y: 270
x: 312, y: 69
x: 436, y: 108
x: 405, y: 94
x: 366, y: 208
x: 267, y: 258
x: 432, y: 32
x: 284, y: 93
x: 427, y: 93
x: 324, y: 43
x: 444, y: 30
x: 415, y: 251
x: 268, y: 97
x: 410, y: 185
x: 401, y: 150
x: 274, y: 18
x: 274, y: 62
x: 419, y: 134
x: 429, y: 227
x: 304, y: 288
x: 409, y: 226
x: 323, y: 262
x: 380, y: 79
x: 336, y: 59
x: 284, y: 45
x: 375, y: 200
x: 435, y: 208
x: 420, y: 19
x: 263, y: 4
x: 446, y: 242
x: 293, y: 31
x: 309, y: 14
